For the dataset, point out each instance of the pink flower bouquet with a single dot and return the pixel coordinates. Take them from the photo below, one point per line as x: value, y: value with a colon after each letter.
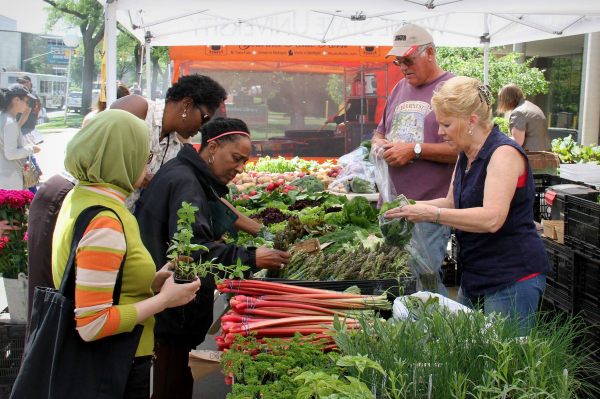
x: 13, y: 247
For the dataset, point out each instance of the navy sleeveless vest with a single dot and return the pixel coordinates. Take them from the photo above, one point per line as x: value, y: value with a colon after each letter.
x: 493, y: 261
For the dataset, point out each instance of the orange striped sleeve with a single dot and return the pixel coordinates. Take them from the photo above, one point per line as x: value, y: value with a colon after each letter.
x: 98, y: 259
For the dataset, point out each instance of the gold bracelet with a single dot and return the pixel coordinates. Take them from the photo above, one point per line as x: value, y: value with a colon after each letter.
x: 438, y: 215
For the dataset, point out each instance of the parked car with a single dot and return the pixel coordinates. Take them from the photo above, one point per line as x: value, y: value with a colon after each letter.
x: 74, y: 101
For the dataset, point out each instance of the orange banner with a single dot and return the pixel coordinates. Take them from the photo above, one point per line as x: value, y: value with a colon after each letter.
x: 300, y: 54
x: 337, y: 68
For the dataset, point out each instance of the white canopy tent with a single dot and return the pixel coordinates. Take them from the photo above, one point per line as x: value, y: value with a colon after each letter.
x: 460, y: 23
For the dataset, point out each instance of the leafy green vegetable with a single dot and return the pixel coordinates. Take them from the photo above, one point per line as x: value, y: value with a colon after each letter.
x: 359, y: 185
x: 309, y: 184
x: 268, y: 370
x: 359, y: 212
x: 569, y: 152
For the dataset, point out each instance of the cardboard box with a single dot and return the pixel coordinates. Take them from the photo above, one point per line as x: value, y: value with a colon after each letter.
x: 543, y: 162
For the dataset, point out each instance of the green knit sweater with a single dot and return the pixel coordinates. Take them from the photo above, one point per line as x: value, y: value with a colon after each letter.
x: 98, y: 258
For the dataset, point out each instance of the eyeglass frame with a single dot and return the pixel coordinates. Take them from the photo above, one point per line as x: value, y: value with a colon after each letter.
x: 205, y: 117
x: 411, y: 61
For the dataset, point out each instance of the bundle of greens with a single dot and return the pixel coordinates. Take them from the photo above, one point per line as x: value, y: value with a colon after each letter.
x: 569, y: 152
x: 359, y: 212
x: 309, y: 184
x: 363, y: 186
x: 396, y: 231
x: 363, y: 263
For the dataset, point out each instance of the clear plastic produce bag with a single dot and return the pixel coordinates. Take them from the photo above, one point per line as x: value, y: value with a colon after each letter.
x: 360, y: 154
x: 420, y: 261
x: 382, y: 175
x: 361, y: 171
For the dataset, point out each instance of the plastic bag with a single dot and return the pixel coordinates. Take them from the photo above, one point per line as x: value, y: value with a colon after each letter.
x: 420, y: 261
x: 358, y: 155
x: 401, y: 306
x: 382, y: 175
x: 364, y: 171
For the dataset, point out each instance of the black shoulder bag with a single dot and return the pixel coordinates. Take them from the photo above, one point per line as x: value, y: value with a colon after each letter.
x: 58, y: 364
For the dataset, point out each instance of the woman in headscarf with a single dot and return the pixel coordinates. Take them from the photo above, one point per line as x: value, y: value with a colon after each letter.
x: 108, y: 158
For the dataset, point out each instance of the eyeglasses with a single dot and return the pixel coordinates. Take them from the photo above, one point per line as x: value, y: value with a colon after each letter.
x: 205, y: 116
x: 409, y: 61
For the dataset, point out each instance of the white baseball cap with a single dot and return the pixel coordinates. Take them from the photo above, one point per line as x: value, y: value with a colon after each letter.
x: 407, y: 39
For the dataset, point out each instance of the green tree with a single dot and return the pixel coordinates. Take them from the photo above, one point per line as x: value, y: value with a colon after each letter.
x: 159, y: 57
x: 468, y: 61
x: 88, y: 16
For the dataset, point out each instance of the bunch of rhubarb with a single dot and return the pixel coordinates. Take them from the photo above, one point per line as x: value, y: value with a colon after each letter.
x: 272, y: 310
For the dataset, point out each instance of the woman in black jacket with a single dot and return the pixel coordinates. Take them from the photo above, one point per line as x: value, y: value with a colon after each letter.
x: 199, y: 179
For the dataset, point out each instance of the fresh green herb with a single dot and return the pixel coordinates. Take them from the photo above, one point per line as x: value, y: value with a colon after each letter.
x: 182, y: 249
x: 268, y: 370
x: 469, y: 355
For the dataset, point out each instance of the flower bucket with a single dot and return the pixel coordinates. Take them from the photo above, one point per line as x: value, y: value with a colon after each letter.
x: 17, y: 298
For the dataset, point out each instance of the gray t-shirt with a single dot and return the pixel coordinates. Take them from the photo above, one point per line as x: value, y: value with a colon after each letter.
x: 409, y: 118
x: 529, y: 118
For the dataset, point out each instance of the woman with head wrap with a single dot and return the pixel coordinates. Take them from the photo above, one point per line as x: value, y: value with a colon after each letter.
x: 108, y: 158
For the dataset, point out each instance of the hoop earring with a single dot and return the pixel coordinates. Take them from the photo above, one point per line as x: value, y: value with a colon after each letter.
x: 184, y: 114
x: 211, y: 159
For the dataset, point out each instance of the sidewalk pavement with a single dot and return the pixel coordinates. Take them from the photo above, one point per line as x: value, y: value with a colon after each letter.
x: 52, y: 155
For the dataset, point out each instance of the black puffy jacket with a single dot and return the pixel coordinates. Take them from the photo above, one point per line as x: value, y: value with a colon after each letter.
x: 185, y: 178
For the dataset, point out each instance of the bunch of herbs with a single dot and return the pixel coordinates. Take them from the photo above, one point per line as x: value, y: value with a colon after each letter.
x: 467, y: 355
x: 182, y: 249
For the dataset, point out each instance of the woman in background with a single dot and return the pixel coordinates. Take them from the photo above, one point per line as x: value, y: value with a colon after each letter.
x: 13, y: 150
x: 527, y: 123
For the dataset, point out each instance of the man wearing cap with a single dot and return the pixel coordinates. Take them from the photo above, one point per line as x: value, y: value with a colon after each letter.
x: 28, y: 119
x: 420, y: 162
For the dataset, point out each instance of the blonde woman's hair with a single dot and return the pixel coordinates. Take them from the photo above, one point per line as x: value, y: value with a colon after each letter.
x: 509, y: 98
x: 462, y: 97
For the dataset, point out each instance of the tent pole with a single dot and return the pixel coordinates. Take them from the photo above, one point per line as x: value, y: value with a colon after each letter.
x: 486, y: 50
x: 110, y: 26
x: 148, y: 67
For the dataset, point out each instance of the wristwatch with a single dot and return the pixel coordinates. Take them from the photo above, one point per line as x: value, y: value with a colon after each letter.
x: 417, y: 150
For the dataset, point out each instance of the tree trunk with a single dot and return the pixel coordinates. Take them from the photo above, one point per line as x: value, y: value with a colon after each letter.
x: 155, y: 71
x: 88, y: 75
x: 166, y: 83
x: 90, y: 41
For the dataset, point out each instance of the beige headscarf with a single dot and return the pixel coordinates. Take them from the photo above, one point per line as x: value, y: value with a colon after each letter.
x: 112, y: 149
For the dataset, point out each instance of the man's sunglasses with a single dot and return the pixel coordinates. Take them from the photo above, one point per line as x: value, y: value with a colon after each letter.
x: 408, y: 61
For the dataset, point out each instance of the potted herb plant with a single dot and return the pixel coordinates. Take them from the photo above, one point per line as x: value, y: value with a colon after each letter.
x: 182, y: 248
x: 13, y: 251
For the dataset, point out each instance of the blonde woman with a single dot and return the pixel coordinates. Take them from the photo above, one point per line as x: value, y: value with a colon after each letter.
x: 490, y: 204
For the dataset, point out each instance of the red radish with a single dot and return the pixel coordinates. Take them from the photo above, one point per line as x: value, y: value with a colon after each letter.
x: 252, y: 193
x: 285, y: 191
x: 336, y: 168
x: 245, y: 196
x: 301, y: 174
x: 270, y: 187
